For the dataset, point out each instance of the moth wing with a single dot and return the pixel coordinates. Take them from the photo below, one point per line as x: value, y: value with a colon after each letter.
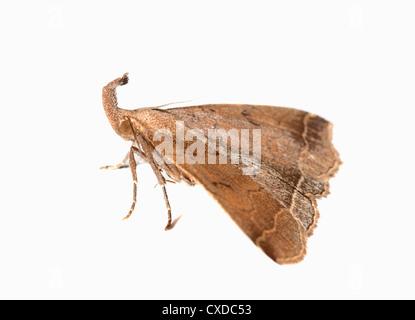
x: 296, y: 150
x: 276, y: 207
x: 266, y: 221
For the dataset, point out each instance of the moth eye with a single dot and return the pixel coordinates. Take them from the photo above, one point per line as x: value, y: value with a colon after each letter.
x: 125, y: 127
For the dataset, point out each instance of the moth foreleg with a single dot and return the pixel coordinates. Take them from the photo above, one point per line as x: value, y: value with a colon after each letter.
x: 121, y: 165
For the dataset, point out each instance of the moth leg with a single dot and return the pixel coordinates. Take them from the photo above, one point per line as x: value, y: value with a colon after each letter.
x: 162, y: 182
x: 133, y: 167
x: 147, y: 148
x: 166, y: 200
x: 140, y: 153
x: 122, y: 164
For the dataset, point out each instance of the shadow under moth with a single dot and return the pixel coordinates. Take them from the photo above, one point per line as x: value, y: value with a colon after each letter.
x: 271, y: 194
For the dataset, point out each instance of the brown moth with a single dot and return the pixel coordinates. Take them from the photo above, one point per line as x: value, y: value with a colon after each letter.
x: 276, y: 204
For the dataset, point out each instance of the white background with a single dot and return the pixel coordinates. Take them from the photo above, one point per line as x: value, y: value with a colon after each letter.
x: 61, y: 233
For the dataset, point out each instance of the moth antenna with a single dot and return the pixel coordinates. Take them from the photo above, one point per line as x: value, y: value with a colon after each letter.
x: 170, y: 103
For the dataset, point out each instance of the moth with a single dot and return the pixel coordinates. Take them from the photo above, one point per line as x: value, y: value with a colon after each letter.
x: 275, y: 204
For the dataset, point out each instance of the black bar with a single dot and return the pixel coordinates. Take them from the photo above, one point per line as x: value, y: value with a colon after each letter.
x: 209, y: 309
